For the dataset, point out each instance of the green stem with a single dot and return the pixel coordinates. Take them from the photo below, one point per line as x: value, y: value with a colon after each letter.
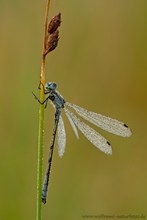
x: 40, y: 150
x: 41, y: 121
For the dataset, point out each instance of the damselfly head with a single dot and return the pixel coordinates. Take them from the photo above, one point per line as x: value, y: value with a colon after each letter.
x: 50, y: 86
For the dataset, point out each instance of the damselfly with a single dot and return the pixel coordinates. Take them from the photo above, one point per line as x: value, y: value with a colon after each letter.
x: 108, y: 124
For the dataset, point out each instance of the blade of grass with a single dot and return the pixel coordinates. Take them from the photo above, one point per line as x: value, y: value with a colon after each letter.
x: 41, y: 120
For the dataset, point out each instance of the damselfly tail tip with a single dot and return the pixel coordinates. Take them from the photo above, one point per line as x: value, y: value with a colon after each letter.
x: 43, y: 200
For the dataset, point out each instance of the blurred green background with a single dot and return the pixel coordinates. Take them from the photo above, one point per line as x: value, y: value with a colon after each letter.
x: 100, y: 64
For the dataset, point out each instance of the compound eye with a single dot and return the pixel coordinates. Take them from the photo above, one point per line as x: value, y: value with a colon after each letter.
x: 50, y: 86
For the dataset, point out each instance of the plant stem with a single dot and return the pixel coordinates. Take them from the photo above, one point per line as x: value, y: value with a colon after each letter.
x: 40, y: 149
x: 41, y: 120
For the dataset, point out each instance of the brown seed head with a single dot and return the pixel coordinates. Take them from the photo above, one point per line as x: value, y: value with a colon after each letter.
x: 52, y: 42
x: 54, y: 23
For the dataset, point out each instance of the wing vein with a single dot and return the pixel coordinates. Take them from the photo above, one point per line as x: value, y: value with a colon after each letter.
x: 106, y: 123
x: 94, y: 137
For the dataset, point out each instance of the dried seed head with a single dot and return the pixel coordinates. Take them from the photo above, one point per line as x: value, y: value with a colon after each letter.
x: 52, y: 41
x: 54, y: 23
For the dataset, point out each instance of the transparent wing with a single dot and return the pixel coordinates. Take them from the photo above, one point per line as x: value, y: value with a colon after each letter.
x: 108, y: 124
x: 61, y: 138
x: 72, y: 124
x: 93, y: 136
